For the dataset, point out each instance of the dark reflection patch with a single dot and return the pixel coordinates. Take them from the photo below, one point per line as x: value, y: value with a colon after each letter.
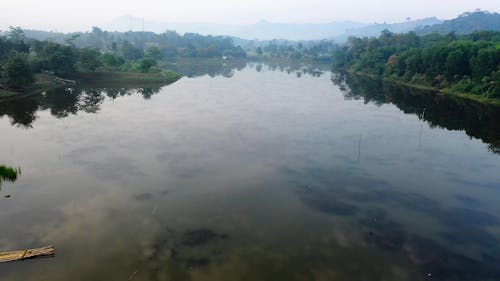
x: 325, y: 202
x: 193, y: 249
x: 463, y: 217
x: 468, y: 201
x: 200, y: 237
x: 470, y: 236
x: 143, y: 196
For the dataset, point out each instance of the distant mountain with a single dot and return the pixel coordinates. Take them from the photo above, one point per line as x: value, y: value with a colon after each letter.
x: 265, y: 30
x: 376, y: 29
x: 262, y: 30
x: 465, y: 23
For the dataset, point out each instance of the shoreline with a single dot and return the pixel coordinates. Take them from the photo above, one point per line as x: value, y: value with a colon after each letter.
x: 445, y: 91
x: 45, y: 82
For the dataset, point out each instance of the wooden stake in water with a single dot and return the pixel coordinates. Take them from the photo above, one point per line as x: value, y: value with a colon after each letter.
x: 420, y: 133
x: 48, y: 251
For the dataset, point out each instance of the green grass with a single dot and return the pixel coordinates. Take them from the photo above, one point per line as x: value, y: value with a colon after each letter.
x: 7, y: 93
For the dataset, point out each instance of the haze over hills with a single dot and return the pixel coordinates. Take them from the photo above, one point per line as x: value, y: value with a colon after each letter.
x: 465, y: 23
x: 377, y: 28
x: 260, y: 33
x: 262, y: 30
x: 339, y: 31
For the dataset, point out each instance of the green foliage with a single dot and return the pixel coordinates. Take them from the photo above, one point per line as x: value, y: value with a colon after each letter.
x: 8, y: 174
x: 464, y: 63
x: 130, y: 52
x: 16, y: 33
x: 145, y: 64
x: 100, y: 51
x: 57, y: 58
x: 154, y: 52
x: 16, y: 72
x: 89, y: 59
x: 111, y: 60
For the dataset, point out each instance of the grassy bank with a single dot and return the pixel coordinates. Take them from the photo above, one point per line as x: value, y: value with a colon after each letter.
x: 479, y: 98
x: 7, y: 93
x: 43, y: 82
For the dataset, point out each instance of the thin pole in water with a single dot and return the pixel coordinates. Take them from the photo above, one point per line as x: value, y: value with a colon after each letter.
x: 420, y: 133
x: 359, y: 149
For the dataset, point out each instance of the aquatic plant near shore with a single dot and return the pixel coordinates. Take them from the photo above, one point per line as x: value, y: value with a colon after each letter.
x: 8, y: 174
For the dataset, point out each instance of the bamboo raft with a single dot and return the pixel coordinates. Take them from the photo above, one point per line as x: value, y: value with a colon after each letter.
x: 48, y: 251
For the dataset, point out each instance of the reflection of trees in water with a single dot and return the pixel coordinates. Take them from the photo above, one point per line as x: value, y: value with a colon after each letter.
x: 227, y: 68
x: 63, y: 102
x: 212, y: 68
x: 21, y: 112
x: 91, y: 100
x: 296, y: 68
x: 453, y: 113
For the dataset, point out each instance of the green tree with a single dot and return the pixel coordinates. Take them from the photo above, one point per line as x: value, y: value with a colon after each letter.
x: 456, y: 64
x: 131, y: 52
x: 154, y: 52
x: 16, y: 72
x: 89, y: 59
x: 145, y: 64
x: 58, y: 58
x: 16, y: 33
x: 112, y: 60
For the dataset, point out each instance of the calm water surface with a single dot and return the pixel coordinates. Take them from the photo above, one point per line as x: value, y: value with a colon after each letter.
x: 262, y: 173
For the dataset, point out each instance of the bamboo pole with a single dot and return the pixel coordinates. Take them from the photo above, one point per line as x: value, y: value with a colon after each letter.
x: 28, y: 254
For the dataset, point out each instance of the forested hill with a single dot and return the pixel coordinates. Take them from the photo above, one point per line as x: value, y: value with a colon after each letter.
x: 462, y: 64
x: 465, y: 24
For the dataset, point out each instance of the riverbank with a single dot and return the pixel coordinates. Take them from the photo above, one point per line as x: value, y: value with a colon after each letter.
x: 126, y: 78
x: 45, y: 82
x: 447, y: 91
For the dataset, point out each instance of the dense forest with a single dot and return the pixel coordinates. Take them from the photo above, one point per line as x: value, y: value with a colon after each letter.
x: 466, y: 64
x: 23, y: 54
x: 316, y: 51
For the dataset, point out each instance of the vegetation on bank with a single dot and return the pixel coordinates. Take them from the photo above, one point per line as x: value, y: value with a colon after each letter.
x: 314, y: 51
x: 468, y: 65
x: 23, y: 60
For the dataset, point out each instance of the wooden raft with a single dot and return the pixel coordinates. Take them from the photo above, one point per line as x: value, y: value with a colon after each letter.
x: 28, y: 254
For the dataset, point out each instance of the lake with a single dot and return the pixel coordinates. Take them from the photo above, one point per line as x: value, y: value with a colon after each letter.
x: 252, y: 172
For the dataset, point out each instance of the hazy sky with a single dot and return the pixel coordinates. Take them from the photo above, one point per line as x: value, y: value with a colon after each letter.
x: 69, y: 15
